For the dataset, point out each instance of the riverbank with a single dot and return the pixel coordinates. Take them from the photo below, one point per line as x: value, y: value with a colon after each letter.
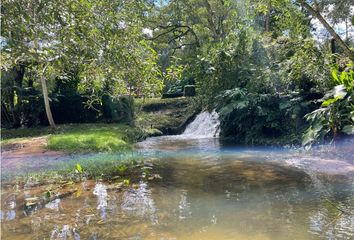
x: 153, y: 117
x: 71, y: 138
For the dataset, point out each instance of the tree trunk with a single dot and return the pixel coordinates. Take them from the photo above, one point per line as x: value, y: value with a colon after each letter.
x: 14, y: 115
x: 346, y: 30
x: 5, y: 116
x: 44, y: 84
x: 266, y: 22
x: 267, y: 18
x: 46, y: 100
x: 338, y: 39
x: 18, y: 80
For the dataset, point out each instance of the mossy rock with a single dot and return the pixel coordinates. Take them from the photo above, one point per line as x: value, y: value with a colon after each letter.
x: 153, y: 132
x: 169, y: 116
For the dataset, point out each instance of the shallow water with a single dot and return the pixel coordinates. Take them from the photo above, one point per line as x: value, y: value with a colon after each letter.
x: 204, y: 189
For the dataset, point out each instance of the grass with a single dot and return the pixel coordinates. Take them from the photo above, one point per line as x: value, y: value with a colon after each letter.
x: 101, y: 166
x: 80, y: 138
x: 9, y: 136
x: 95, y: 138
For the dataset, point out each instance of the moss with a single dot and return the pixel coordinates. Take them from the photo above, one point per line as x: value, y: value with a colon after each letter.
x: 166, y: 115
x: 153, y: 132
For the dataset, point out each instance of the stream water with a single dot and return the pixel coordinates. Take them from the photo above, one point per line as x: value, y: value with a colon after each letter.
x: 204, y: 189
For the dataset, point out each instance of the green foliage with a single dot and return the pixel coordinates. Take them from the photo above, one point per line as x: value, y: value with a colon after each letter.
x: 252, y: 54
x: 172, y: 76
x: 72, y: 109
x: 336, y: 114
x: 126, y: 182
x: 253, y: 118
x: 122, y: 168
x: 79, y: 168
x: 101, y: 43
x: 178, y: 86
x: 118, y: 110
x: 281, y: 16
x: 262, y: 65
x: 345, y: 78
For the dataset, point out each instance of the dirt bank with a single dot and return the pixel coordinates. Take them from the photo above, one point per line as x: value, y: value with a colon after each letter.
x: 13, y: 153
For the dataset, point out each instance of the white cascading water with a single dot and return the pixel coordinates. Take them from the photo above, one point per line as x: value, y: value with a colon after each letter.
x: 205, y: 125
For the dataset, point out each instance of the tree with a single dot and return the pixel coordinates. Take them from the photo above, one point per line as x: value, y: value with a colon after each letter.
x: 315, y: 12
x: 32, y: 35
x: 103, y: 39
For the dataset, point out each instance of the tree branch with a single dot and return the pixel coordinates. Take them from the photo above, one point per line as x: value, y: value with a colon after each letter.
x: 333, y: 33
x: 174, y: 28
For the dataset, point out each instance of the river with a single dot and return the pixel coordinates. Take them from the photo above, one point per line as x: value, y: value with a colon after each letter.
x: 204, y: 189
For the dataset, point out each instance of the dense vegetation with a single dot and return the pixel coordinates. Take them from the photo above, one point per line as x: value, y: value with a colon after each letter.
x: 262, y: 64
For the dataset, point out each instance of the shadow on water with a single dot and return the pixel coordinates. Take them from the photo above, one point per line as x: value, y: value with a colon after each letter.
x: 204, y: 190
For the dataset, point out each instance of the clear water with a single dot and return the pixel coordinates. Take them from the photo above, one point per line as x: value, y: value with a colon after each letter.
x: 207, y: 190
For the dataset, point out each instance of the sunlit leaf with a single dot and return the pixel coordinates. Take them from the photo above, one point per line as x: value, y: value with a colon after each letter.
x: 329, y: 102
x: 348, y: 129
x: 334, y: 75
x: 79, y: 168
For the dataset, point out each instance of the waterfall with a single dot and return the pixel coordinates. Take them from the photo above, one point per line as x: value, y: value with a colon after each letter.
x: 205, y: 125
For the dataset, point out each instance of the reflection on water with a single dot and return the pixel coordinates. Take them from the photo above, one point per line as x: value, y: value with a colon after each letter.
x: 54, y: 205
x: 138, y: 202
x: 206, y: 192
x: 101, y: 193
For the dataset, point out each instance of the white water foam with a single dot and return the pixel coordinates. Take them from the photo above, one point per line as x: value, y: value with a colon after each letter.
x: 205, y: 125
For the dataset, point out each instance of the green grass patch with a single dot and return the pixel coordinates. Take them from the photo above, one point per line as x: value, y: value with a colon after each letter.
x: 95, y: 138
x: 80, y: 138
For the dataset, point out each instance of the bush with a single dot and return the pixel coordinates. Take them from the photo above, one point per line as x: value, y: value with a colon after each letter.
x: 120, y: 110
x: 336, y: 114
x: 252, y: 118
x: 72, y: 109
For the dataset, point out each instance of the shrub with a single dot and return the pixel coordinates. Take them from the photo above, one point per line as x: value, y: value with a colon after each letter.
x: 119, y: 110
x: 252, y: 118
x: 336, y: 114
